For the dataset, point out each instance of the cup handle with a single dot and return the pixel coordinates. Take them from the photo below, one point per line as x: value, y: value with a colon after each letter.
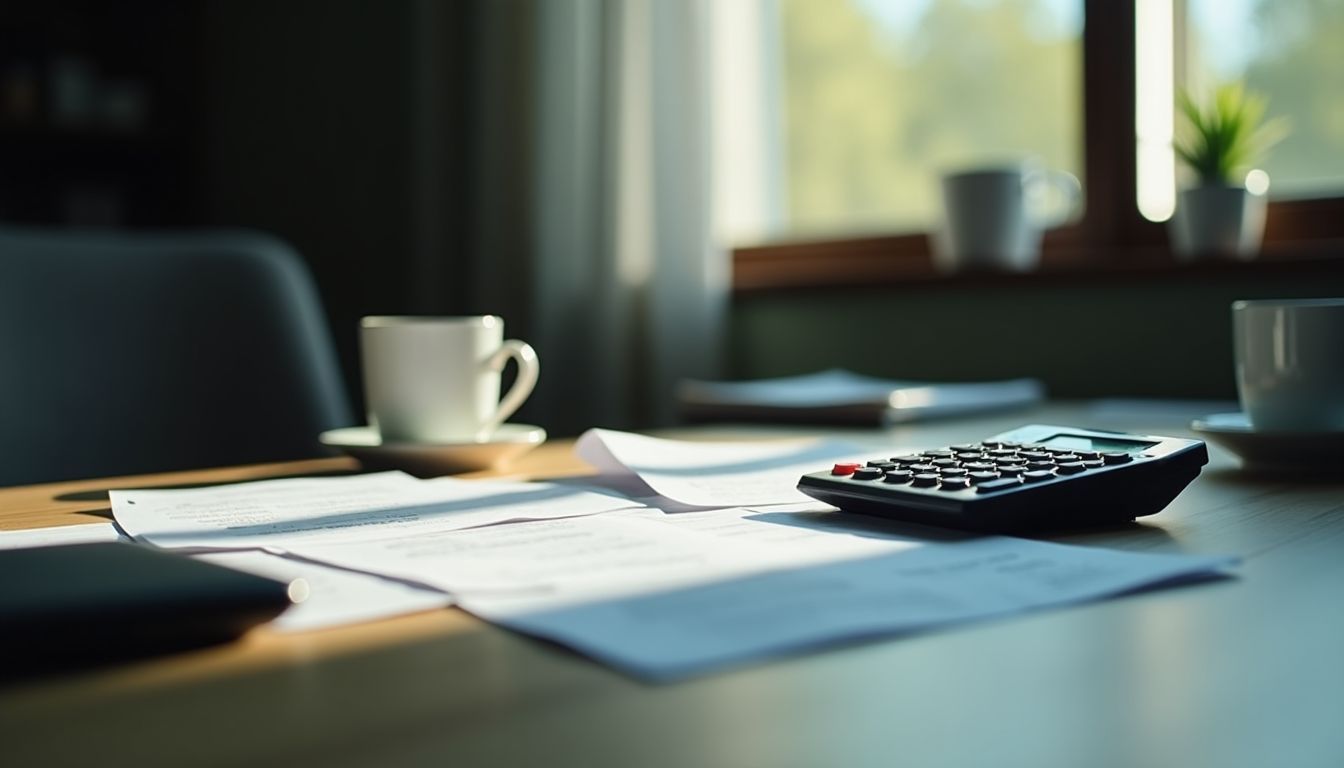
x: 1066, y: 184
x: 528, y: 370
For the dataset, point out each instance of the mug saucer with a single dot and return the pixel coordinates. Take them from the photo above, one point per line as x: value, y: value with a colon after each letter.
x: 430, y: 459
x: 1277, y: 452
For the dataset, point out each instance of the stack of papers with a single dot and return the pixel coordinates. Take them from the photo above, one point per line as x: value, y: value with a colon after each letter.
x: 247, y: 526
x: 711, y: 559
x: 842, y: 397
x: 278, y: 514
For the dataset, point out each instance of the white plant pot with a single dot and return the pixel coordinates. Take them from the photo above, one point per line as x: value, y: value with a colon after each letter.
x: 1219, y: 222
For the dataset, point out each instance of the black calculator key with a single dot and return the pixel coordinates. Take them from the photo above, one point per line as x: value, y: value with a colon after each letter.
x: 1037, y: 475
x: 924, y: 480
x: 939, y: 454
x: 1117, y: 457
x: 1093, y: 463
x: 991, y: 443
x: 1066, y: 457
x: 909, y: 458
x: 945, y: 463
x: 1012, y: 470
x: 1006, y: 460
x: 954, y: 484
x: 1040, y: 465
x: 968, y: 448
x: 923, y: 468
x: 983, y: 477
x: 1070, y: 467
x: 867, y: 473
x: 1034, y: 455
x: 968, y: 456
x: 978, y: 466
x: 1087, y: 455
x: 997, y: 485
x: 952, y: 471
x: 1002, y: 452
x: 897, y: 476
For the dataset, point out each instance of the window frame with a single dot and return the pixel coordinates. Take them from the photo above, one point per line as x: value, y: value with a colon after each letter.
x: 1111, y: 234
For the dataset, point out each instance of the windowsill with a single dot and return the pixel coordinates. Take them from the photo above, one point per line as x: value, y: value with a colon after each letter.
x: 892, y: 262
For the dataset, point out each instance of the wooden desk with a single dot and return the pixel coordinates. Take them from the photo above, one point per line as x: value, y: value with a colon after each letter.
x: 1242, y: 672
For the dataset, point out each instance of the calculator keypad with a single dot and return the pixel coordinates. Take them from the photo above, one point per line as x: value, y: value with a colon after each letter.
x: 993, y: 465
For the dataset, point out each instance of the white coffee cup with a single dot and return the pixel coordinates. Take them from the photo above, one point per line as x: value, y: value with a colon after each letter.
x: 437, y: 379
x: 993, y: 216
x: 1290, y: 363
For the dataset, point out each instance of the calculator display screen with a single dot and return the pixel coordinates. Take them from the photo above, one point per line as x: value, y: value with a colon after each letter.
x: 1102, y: 444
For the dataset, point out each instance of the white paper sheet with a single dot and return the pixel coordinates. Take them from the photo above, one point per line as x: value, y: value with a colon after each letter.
x: 335, y: 597
x: 628, y: 552
x: 664, y: 596
x: 699, y: 628
x: 274, y: 514
x: 715, y: 474
x: 84, y: 533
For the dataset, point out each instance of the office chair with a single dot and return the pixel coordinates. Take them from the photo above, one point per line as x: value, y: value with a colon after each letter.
x: 125, y: 353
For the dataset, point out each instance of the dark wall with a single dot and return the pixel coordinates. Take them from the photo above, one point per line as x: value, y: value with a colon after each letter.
x: 337, y: 125
x: 98, y: 113
x: 1088, y: 336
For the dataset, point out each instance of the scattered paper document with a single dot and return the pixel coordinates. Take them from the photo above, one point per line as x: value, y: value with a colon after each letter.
x: 714, y: 474
x: 273, y: 514
x: 84, y: 533
x: 633, y: 552
x: 335, y: 597
x: 659, y: 595
x: 696, y: 629
x: 664, y: 596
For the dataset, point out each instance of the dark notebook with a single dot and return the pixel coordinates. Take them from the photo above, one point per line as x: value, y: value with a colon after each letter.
x: 69, y: 606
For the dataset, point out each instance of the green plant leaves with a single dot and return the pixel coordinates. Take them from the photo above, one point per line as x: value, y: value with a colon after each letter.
x: 1223, y: 138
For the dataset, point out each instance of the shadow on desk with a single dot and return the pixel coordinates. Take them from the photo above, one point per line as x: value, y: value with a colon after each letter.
x: 1131, y: 536
x: 101, y: 494
x: 1245, y: 477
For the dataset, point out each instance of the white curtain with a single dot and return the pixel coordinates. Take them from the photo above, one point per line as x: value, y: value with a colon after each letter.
x: 600, y: 242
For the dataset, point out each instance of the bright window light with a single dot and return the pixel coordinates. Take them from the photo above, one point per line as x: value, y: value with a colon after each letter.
x: 1154, y: 108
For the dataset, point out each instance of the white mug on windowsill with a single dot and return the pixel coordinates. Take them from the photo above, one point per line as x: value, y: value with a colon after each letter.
x: 437, y: 379
x: 993, y: 216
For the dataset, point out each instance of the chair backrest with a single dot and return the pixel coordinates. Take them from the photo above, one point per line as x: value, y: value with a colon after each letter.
x: 128, y: 353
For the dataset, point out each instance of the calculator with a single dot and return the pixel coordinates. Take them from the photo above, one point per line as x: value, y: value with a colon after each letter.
x: 1033, y: 478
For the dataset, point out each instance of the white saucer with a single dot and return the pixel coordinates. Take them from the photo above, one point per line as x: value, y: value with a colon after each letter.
x: 429, y: 459
x: 1280, y: 452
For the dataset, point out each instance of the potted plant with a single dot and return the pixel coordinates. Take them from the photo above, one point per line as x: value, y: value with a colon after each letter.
x: 1220, y: 142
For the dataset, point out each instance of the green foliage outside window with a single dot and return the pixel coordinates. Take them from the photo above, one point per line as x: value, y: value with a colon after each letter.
x: 875, y: 114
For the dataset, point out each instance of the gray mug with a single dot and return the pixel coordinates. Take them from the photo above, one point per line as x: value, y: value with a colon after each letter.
x: 992, y: 216
x: 1290, y: 363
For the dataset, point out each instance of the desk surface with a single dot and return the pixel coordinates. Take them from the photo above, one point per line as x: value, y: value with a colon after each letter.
x: 1248, y: 671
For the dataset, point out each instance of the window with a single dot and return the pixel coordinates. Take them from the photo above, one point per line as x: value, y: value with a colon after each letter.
x: 872, y: 99
x: 1292, y: 51
x: 881, y: 97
